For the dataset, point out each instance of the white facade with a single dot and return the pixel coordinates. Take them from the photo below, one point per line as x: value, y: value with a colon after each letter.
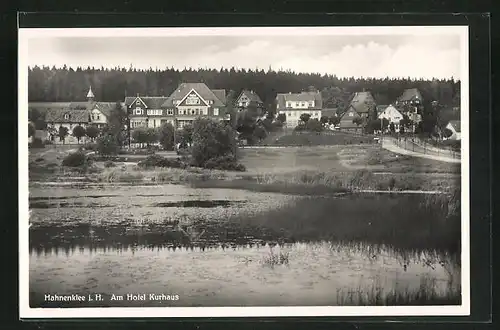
x: 98, y: 118
x: 392, y: 115
x: 293, y: 116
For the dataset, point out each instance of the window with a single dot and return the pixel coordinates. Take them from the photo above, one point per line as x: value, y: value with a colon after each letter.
x: 66, y: 116
x: 289, y: 104
x: 138, y: 111
x: 192, y: 100
x: 351, y: 114
x: 302, y: 104
x: 296, y: 104
x: 170, y: 112
x: 216, y: 111
x: 311, y: 104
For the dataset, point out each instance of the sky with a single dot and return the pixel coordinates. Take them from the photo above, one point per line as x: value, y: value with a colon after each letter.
x: 403, y: 55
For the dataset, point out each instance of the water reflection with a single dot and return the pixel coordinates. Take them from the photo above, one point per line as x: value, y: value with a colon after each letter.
x: 169, y: 234
x: 202, y: 242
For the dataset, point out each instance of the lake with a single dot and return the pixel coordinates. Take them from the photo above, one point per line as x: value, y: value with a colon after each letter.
x: 226, y: 247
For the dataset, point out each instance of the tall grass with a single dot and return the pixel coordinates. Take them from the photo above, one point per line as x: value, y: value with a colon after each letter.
x: 426, y: 294
x: 273, y: 259
x: 320, y: 182
x: 404, y: 222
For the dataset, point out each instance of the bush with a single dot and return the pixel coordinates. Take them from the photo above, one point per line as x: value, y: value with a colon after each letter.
x: 159, y: 161
x: 109, y: 164
x: 226, y: 163
x: 107, y: 145
x: 75, y: 159
x: 212, y: 140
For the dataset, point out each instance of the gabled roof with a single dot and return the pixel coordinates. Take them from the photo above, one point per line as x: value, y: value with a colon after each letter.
x: 389, y: 109
x: 104, y: 107
x: 80, y: 105
x: 56, y: 115
x: 282, y: 98
x: 330, y: 112
x: 201, y: 89
x: 220, y: 94
x: 410, y: 95
x: 381, y: 108
x: 251, y: 95
x: 456, y: 125
x: 152, y: 102
x: 362, y: 102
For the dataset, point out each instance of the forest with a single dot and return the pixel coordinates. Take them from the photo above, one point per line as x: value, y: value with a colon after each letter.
x: 66, y: 84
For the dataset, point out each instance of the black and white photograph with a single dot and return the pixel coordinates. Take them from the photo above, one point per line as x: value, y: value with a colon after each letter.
x: 230, y: 171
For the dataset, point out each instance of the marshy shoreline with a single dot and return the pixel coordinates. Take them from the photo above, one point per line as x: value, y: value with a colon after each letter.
x: 331, y: 221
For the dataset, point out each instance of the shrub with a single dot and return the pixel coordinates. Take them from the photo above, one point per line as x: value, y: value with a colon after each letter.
x: 75, y: 159
x: 212, y: 139
x: 159, y: 161
x: 226, y: 163
x: 107, y: 145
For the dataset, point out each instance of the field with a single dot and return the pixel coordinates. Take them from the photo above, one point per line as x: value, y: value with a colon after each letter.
x: 340, y: 158
x: 316, y: 139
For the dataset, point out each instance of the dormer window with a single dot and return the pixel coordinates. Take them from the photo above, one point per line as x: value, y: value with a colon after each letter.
x: 66, y: 116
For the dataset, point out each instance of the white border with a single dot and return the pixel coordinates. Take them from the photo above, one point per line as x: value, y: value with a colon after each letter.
x: 27, y: 312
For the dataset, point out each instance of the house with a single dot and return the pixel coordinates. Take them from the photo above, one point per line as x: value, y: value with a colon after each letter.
x: 293, y: 105
x: 72, y: 114
x: 392, y: 115
x: 247, y: 98
x: 410, y: 96
x: 187, y: 102
x: 68, y: 118
x: 363, y: 103
x: 454, y: 127
x: 348, y: 121
x: 358, y: 111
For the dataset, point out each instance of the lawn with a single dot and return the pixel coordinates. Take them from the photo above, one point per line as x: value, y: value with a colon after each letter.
x: 295, y: 170
x: 315, y: 139
x: 339, y: 158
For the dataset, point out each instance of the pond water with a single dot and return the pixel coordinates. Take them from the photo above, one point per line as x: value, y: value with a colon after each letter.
x: 220, y: 247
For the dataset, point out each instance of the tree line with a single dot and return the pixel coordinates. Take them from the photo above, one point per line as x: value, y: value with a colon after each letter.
x: 66, y: 84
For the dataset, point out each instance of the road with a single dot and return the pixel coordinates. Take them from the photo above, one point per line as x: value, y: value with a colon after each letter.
x: 416, y: 150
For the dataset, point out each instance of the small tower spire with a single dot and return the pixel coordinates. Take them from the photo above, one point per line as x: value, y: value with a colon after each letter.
x: 90, y: 94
